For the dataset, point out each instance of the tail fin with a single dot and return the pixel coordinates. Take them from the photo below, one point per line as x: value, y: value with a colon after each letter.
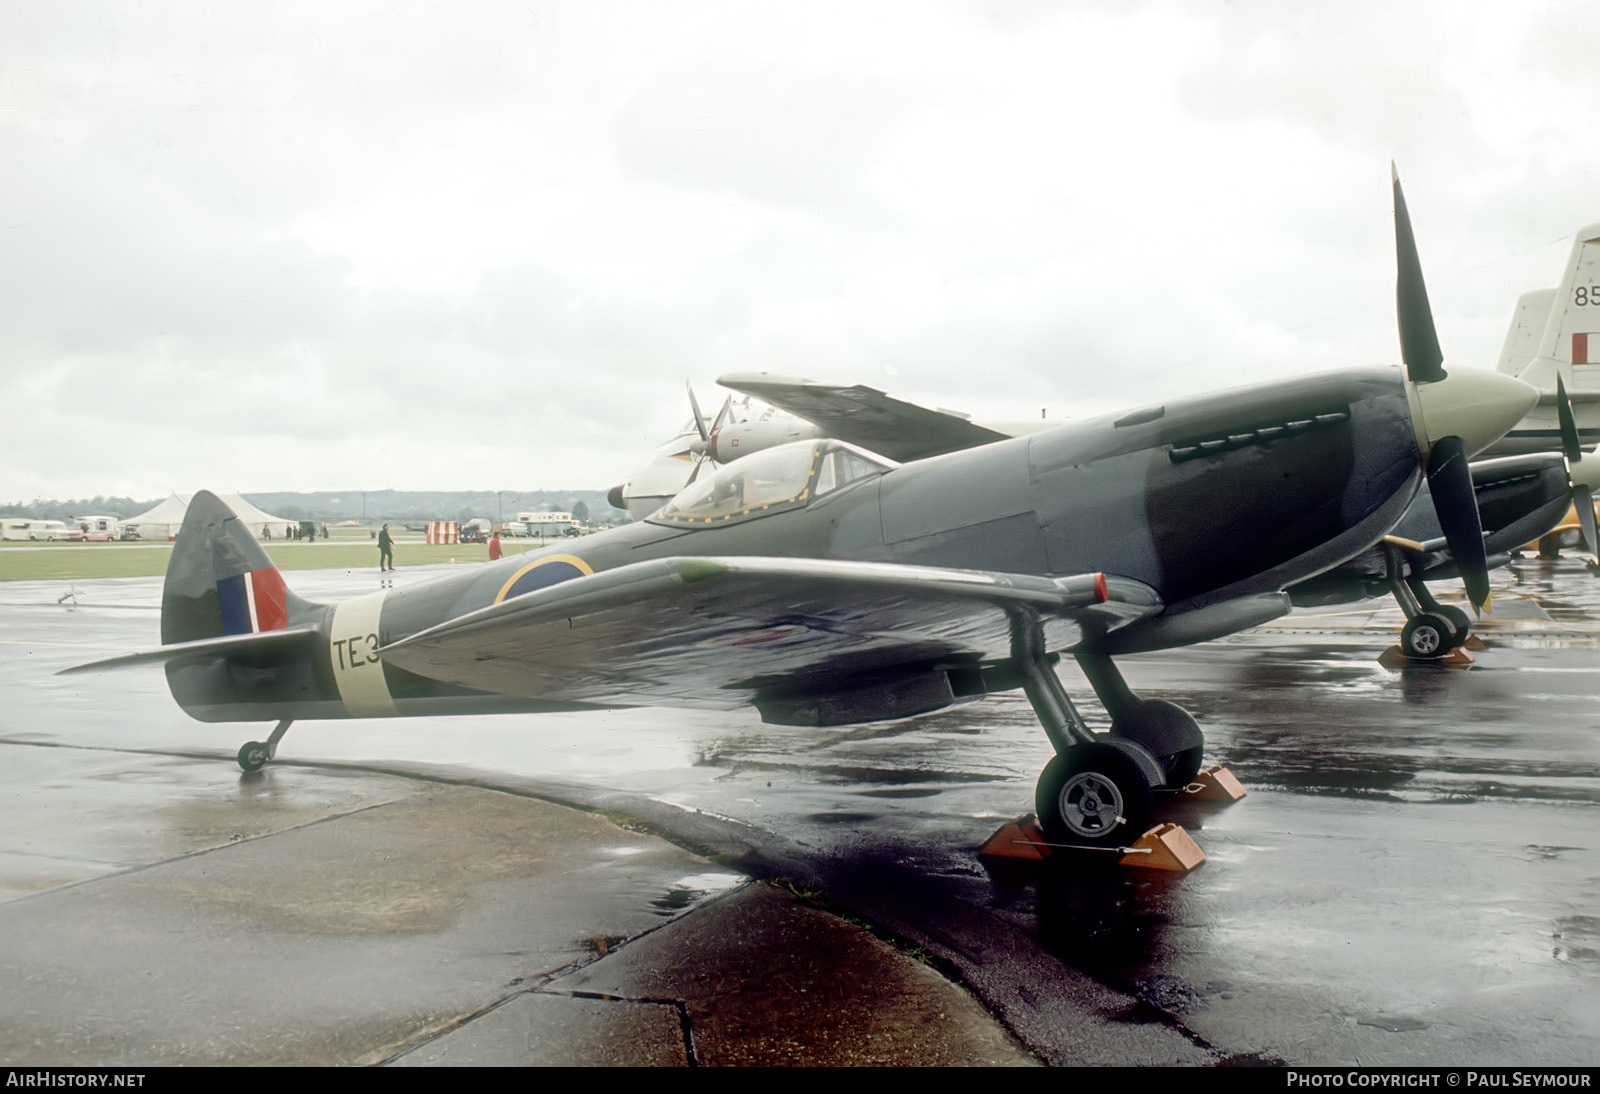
x: 1570, y: 344
x: 1526, y: 331
x: 219, y: 580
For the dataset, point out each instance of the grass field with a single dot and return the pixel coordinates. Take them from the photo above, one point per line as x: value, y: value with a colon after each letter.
x: 81, y: 561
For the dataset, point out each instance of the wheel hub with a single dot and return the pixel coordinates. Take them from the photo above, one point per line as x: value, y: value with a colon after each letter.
x: 1090, y: 804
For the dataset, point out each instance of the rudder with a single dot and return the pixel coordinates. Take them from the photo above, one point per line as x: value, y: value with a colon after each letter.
x: 220, y: 581
x: 1569, y: 344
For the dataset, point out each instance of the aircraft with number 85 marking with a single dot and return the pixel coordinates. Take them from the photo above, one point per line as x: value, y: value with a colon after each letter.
x: 823, y: 584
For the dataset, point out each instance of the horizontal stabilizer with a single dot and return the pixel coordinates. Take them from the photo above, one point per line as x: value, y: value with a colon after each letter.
x: 275, y: 641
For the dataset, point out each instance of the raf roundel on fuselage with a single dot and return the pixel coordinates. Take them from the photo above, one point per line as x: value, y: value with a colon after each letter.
x: 547, y: 571
x: 779, y: 479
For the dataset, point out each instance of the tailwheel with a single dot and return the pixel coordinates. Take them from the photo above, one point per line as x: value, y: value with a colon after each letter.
x: 1427, y: 637
x: 253, y: 756
x: 1093, y: 795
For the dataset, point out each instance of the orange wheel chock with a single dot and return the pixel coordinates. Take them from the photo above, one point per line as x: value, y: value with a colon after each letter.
x: 1164, y: 847
x: 1215, y: 784
x: 1457, y: 658
x: 1020, y: 838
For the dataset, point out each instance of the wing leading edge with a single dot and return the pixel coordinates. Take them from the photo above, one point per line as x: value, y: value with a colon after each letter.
x: 864, y: 640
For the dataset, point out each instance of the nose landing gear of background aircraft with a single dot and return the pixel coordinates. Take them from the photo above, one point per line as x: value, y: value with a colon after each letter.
x: 1433, y: 630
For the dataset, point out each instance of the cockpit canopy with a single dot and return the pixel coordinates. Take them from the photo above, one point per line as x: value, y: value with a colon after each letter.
x: 789, y: 476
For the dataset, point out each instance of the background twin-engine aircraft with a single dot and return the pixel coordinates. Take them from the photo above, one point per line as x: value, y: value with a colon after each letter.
x: 801, y: 410
x: 824, y: 584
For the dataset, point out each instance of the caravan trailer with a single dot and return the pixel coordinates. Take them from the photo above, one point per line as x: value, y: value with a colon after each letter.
x: 544, y: 525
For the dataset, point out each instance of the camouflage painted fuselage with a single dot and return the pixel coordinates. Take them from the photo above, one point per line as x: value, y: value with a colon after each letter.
x: 1217, y: 503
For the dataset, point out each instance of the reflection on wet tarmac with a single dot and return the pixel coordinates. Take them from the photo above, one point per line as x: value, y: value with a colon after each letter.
x: 689, y: 891
x: 1411, y: 880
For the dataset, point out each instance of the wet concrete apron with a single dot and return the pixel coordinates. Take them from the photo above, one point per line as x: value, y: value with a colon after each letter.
x: 1411, y: 880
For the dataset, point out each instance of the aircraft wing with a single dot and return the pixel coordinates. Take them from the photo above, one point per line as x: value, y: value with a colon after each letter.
x: 777, y: 632
x: 865, y: 416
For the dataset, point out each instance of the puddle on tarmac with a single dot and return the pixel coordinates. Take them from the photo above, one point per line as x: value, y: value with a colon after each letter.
x: 1390, y: 1024
x: 689, y: 891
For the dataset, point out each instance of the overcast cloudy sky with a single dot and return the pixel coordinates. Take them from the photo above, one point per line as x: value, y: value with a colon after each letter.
x: 281, y: 246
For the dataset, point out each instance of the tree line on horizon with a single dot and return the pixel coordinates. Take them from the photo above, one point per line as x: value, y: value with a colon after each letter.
x: 329, y: 505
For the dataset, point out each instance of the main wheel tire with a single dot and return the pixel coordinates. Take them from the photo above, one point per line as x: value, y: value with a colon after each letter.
x: 1427, y: 637
x: 1460, y: 622
x: 1167, y: 732
x: 1183, y: 766
x: 1093, y: 795
x: 253, y: 756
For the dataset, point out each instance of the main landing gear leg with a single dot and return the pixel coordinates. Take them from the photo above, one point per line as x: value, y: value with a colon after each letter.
x: 254, y: 755
x: 1096, y: 791
x: 1165, y: 730
x: 1432, y: 629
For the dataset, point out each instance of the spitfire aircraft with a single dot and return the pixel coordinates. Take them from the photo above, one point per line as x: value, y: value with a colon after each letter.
x: 824, y: 584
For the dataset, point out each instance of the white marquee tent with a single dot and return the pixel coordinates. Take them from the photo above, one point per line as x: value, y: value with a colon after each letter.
x: 164, y: 520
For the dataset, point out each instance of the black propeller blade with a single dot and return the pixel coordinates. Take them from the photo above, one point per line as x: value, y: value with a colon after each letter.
x: 699, y: 418
x: 1449, y: 478
x: 705, y: 433
x: 1419, y: 342
x: 1582, y: 498
x: 1571, y: 445
x: 1450, y: 481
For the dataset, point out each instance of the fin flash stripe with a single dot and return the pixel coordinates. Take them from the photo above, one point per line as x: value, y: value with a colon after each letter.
x: 253, y: 602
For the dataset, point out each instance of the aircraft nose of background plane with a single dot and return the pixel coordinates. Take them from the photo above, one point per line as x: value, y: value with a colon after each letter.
x: 1477, y: 406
